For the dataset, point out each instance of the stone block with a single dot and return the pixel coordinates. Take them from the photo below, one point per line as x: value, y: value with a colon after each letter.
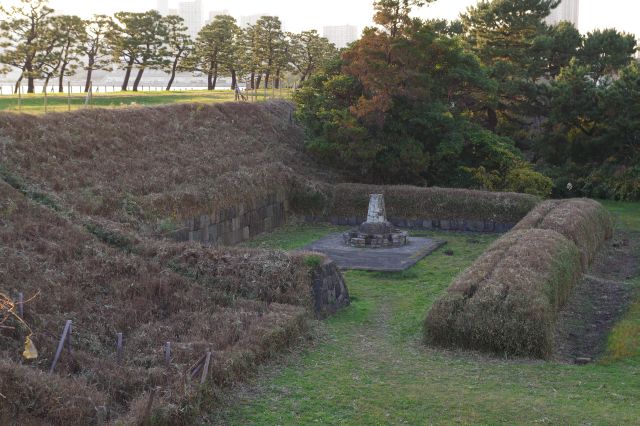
x: 195, y: 236
x: 267, y: 224
x: 427, y: 224
x: 246, y: 233
x: 213, y: 233
x: 181, y: 235
x: 235, y: 224
x: 204, y: 232
x: 203, y: 221
x: 475, y: 225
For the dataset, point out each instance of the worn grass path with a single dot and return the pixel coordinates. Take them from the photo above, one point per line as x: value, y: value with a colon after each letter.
x: 369, y: 366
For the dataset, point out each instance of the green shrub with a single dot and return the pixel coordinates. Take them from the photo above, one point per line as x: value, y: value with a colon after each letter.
x: 528, y: 181
x: 313, y: 261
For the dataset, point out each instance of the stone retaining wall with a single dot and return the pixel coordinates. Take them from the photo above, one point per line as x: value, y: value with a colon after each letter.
x: 329, y: 290
x: 238, y: 223
x: 426, y: 224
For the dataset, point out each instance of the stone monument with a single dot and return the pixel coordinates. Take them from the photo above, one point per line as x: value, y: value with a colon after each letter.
x: 376, y: 232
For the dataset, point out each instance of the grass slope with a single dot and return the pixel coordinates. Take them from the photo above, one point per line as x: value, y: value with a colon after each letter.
x: 35, y: 104
x: 371, y: 367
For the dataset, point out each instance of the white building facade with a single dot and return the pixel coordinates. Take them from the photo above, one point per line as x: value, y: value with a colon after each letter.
x: 191, y: 12
x: 567, y: 10
x: 341, y: 35
x: 163, y: 7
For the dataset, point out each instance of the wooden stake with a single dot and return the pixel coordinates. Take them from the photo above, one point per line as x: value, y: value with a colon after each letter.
x: 45, y: 101
x: 65, y: 332
x: 193, y: 371
x: 205, y: 371
x: 21, y: 305
x: 119, y: 348
x: 167, y: 354
x: 69, y: 337
x: 69, y: 96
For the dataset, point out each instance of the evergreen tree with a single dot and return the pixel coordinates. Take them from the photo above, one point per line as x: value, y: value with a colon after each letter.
x: 179, y: 46
x: 94, y: 46
x: 24, y: 31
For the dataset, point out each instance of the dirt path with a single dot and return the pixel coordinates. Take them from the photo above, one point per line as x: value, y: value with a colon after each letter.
x: 598, y: 301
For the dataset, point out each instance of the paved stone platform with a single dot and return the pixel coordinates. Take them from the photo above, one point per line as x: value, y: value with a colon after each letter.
x: 382, y: 259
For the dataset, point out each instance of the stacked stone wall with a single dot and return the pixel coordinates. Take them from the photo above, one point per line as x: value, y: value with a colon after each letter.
x: 235, y: 224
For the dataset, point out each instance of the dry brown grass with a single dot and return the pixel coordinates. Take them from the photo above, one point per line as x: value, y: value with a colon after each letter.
x: 141, y: 165
x: 104, y: 291
x: 507, y: 300
x: 267, y: 275
x: 585, y: 222
x: 348, y: 200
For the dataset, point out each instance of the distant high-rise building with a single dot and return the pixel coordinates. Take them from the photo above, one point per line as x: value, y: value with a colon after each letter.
x: 213, y: 14
x: 341, y: 35
x: 567, y: 10
x: 191, y: 12
x: 251, y: 19
x: 163, y: 7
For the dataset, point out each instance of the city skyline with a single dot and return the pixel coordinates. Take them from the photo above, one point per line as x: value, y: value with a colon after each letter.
x: 568, y: 10
x: 619, y: 14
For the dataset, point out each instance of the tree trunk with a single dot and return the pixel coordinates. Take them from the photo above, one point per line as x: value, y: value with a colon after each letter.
x: 277, y: 80
x: 215, y: 77
x: 209, y: 80
x: 17, y: 88
x: 31, y: 87
x: 234, y: 80
x: 258, y: 81
x: 266, y: 79
x: 173, y: 73
x: 90, y: 65
x: 253, y: 80
x: 88, y: 82
x: 136, y: 83
x: 127, y: 75
x: 61, y: 78
x: 46, y: 83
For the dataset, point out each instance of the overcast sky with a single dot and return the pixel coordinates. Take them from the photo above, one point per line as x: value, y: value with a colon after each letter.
x: 302, y: 14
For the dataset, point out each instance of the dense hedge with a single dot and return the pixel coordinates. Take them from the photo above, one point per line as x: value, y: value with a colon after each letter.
x: 507, y: 300
x: 585, y: 222
x: 412, y: 202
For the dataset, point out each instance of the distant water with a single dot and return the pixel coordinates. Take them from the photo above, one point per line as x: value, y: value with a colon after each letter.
x: 6, y: 89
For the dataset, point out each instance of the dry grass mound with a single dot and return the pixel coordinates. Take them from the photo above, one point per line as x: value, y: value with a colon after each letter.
x: 141, y: 165
x: 506, y: 302
x: 105, y: 291
x: 266, y: 275
x: 348, y: 200
x: 585, y: 222
x: 31, y: 394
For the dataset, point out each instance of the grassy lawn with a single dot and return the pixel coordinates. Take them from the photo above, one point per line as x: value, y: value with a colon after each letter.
x: 34, y: 104
x: 371, y: 368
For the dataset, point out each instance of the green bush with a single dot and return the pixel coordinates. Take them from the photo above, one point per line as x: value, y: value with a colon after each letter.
x: 528, y: 181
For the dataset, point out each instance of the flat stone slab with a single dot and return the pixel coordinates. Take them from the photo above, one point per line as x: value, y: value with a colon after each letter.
x: 380, y: 259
